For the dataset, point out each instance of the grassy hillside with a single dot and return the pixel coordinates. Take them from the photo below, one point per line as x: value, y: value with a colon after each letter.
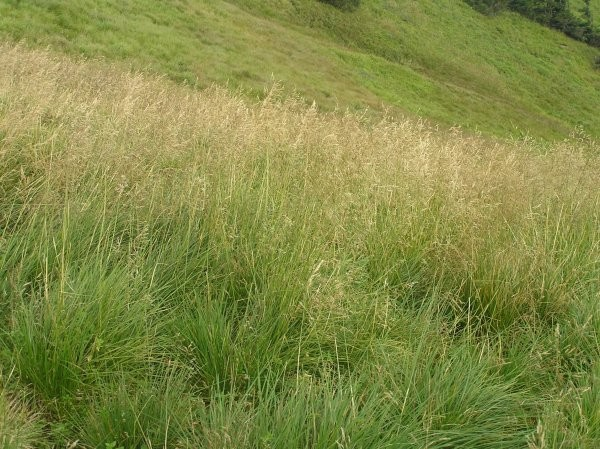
x: 436, y: 59
x: 182, y: 269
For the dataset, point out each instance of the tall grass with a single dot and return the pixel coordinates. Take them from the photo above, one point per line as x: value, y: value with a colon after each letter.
x: 185, y: 269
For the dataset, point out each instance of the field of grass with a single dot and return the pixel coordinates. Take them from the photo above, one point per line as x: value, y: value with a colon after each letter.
x: 185, y: 269
x: 436, y: 59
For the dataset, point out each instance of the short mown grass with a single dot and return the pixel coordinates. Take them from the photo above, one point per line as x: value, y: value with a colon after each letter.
x: 182, y: 268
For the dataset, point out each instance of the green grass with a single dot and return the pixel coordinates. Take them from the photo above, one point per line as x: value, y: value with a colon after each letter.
x: 440, y: 60
x: 183, y: 269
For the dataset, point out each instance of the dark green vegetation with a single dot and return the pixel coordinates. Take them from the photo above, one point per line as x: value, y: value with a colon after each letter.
x: 179, y: 269
x: 346, y: 5
x: 438, y: 59
x: 556, y: 14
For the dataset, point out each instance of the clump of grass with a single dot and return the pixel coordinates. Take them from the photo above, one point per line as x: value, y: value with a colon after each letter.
x: 182, y: 268
x: 62, y: 342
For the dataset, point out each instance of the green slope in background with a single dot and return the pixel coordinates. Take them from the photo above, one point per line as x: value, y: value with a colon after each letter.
x: 439, y: 59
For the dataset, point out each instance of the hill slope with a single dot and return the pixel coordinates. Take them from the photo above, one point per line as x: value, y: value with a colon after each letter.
x: 437, y: 59
x: 182, y: 269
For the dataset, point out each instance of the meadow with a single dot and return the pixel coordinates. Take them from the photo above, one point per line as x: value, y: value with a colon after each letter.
x: 434, y: 59
x: 190, y: 269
